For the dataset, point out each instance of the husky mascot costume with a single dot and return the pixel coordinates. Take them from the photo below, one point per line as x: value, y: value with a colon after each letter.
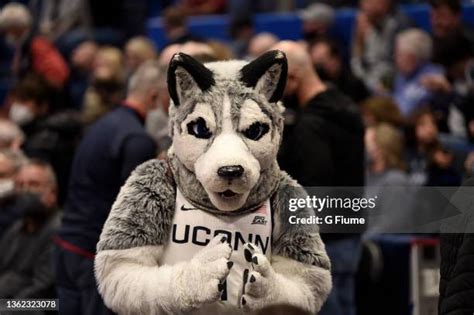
x: 207, y: 231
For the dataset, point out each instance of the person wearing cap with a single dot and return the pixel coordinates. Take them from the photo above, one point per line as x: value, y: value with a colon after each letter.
x: 317, y: 20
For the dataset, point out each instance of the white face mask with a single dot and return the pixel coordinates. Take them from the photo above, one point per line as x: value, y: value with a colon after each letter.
x: 20, y: 114
x: 6, y: 187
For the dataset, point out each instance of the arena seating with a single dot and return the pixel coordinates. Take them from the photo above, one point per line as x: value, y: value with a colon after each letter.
x: 288, y: 26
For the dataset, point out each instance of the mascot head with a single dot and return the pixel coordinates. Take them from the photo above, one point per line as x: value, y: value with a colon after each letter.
x: 226, y: 126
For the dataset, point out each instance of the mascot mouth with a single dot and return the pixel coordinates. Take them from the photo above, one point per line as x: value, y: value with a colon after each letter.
x: 227, y: 194
x: 226, y: 199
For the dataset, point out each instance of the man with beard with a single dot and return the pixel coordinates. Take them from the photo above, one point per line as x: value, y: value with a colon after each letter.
x: 325, y: 147
x: 26, y: 261
x: 328, y: 61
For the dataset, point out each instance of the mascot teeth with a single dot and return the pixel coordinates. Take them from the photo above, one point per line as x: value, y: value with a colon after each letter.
x: 219, y: 201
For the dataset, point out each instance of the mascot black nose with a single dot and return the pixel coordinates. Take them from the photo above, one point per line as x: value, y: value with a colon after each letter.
x: 230, y: 172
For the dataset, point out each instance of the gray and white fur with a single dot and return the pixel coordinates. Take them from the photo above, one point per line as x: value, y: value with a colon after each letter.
x: 226, y: 126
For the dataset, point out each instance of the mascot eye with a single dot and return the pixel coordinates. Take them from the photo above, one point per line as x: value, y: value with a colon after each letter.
x: 256, y: 131
x: 199, y: 129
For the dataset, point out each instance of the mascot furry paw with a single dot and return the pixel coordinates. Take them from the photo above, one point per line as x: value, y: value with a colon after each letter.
x: 207, y: 231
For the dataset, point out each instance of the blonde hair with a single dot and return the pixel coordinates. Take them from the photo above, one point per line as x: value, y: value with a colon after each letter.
x: 141, y: 47
x: 383, y: 109
x: 113, y: 58
x: 390, y: 142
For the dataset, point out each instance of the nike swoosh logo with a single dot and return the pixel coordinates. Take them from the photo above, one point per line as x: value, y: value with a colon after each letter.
x: 183, y: 208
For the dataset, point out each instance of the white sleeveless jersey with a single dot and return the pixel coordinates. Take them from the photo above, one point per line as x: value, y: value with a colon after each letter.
x: 192, y: 229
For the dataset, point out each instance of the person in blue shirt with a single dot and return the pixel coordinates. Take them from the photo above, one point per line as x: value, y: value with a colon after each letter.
x: 108, y: 153
x: 413, y: 49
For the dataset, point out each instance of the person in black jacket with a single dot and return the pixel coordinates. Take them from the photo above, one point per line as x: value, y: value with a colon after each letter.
x: 12, y: 206
x: 49, y: 136
x: 26, y: 269
x: 456, y: 287
x: 108, y: 153
x: 325, y: 147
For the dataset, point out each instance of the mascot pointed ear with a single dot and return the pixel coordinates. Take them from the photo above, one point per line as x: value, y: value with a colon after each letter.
x: 267, y: 75
x: 186, y: 76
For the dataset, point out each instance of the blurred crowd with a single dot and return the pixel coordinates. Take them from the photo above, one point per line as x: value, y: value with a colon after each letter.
x: 85, y: 101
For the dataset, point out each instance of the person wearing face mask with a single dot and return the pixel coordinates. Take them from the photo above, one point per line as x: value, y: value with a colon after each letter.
x: 32, y: 53
x: 26, y: 262
x: 49, y: 136
x: 110, y: 150
x: 29, y: 103
x: 11, y: 206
